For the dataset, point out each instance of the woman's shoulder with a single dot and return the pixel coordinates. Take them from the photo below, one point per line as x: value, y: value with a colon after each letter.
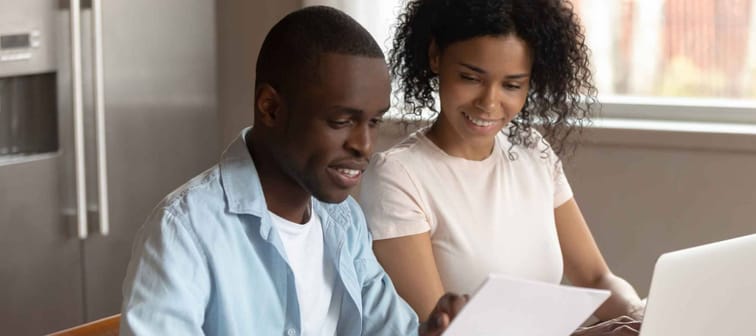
x: 531, y: 147
x: 407, y: 150
x: 401, y: 162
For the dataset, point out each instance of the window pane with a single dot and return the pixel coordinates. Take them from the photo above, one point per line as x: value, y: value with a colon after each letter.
x: 672, y: 48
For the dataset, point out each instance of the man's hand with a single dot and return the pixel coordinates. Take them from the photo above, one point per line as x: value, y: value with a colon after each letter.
x: 621, y: 326
x: 446, y: 309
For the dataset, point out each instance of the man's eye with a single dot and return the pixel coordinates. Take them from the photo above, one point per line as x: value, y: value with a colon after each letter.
x: 339, y: 123
x: 376, y: 121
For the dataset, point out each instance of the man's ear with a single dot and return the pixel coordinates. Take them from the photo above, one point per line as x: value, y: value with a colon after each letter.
x: 268, y: 105
x: 434, y: 57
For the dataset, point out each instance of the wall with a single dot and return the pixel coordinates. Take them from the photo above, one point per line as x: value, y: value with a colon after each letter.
x: 242, y: 25
x: 648, y: 192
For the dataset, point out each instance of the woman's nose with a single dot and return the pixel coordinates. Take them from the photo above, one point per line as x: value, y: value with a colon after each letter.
x: 489, y: 100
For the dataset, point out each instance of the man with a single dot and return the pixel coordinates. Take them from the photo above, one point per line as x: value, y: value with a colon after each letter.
x: 268, y: 242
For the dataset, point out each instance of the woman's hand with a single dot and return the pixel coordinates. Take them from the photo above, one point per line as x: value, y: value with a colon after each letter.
x: 638, y: 311
x: 621, y: 326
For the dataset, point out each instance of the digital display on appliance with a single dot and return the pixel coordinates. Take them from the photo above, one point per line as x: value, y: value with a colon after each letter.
x: 14, y: 41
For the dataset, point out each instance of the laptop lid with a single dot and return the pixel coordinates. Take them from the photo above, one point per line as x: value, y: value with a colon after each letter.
x: 703, y: 291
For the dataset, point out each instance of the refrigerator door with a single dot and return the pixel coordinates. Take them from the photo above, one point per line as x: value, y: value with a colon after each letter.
x: 40, y: 260
x: 161, y: 123
x: 41, y: 282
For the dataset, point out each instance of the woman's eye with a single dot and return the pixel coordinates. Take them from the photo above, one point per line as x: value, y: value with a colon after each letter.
x: 513, y: 86
x: 468, y: 78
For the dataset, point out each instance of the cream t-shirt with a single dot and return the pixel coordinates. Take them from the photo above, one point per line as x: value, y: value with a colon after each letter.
x: 489, y: 216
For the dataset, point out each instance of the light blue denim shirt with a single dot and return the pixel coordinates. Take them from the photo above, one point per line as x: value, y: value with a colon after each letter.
x: 209, y: 262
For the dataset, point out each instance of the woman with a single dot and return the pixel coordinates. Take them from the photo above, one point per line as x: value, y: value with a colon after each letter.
x: 481, y: 191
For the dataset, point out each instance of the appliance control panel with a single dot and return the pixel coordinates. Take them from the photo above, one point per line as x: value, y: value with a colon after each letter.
x: 33, y: 39
x: 18, y: 46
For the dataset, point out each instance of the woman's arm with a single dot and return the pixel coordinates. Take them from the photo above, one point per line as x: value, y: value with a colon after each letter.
x: 411, y: 266
x: 584, y: 266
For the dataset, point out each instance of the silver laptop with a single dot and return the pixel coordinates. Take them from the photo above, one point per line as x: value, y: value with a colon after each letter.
x: 703, y: 291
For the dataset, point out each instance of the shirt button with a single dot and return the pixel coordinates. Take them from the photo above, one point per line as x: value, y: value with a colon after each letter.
x: 291, y: 332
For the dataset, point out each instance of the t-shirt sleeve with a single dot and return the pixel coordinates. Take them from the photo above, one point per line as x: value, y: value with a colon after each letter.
x: 562, y: 189
x: 390, y: 200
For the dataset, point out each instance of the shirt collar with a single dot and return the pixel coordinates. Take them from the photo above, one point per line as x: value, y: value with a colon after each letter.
x: 244, y: 194
x: 241, y: 183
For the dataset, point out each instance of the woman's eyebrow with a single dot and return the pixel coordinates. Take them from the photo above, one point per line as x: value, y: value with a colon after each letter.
x: 483, y: 72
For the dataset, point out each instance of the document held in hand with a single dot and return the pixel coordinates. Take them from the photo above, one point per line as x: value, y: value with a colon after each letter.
x: 504, y: 305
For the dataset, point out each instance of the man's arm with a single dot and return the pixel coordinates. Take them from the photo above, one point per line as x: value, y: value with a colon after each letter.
x: 167, y: 284
x: 384, y: 311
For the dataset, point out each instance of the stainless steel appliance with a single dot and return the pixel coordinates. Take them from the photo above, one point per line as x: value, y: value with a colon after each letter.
x: 105, y: 106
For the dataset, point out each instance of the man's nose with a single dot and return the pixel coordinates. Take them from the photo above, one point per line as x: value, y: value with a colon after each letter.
x: 361, y: 140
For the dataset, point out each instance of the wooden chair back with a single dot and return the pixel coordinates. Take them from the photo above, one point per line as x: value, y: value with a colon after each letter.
x: 107, y: 326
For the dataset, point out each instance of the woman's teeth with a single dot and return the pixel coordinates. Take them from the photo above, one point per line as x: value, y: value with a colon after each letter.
x: 349, y: 172
x: 479, y: 122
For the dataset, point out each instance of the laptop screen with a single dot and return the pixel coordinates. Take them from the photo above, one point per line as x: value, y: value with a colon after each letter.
x: 703, y: 291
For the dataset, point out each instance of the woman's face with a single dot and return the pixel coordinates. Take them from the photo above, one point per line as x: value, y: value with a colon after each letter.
x: 483, y: 82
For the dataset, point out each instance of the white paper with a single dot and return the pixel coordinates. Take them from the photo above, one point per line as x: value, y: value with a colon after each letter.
x: 508, y: 306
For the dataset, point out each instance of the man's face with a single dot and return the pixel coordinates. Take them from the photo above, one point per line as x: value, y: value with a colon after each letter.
x: 332, y: 124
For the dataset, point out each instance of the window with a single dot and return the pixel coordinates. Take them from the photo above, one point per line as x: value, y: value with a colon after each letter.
x: 672, y: 48
x: 691, y: 60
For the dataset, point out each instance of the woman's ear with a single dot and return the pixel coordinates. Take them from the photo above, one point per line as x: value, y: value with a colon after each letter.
x: 434, y: 57
x: 267, y: 105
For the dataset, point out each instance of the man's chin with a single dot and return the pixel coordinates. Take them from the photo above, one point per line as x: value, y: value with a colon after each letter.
x: 332, y: 197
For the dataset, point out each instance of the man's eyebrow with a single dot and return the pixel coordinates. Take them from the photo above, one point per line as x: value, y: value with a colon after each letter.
x: 483, y: 72
x: 346, y: 109
x: 355, y: 111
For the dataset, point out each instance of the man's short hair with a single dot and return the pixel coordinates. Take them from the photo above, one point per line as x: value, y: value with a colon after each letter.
x: 290, y: 53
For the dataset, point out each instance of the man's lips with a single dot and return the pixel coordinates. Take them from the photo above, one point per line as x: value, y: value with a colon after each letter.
x: 347, y: 174
x: 350, y: 165
x: 352, y: 173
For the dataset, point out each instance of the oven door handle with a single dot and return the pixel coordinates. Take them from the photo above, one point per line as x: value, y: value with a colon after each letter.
x: 99, y: 96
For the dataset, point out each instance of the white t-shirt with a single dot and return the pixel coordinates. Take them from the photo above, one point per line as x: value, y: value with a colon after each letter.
x: 315, y: 278
x: 489, y: 216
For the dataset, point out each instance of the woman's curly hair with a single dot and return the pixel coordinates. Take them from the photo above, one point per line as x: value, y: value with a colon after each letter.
x: 561, y: 92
